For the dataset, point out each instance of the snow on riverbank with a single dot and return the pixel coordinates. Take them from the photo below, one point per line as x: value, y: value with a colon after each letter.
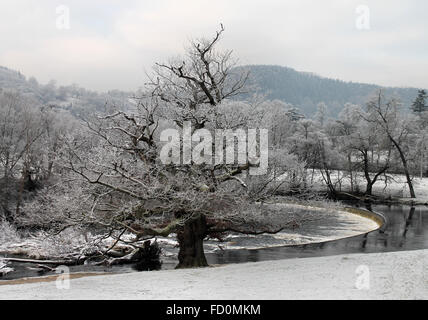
x: 396, y: 186
x: 394, y: 275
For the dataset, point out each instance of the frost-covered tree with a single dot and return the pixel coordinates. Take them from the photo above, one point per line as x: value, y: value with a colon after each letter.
x: 123, y: 185
x: 419, y: 105
x: 29, y: 148
x: 321, y: 113
x: 19, y: 132
x: 397, y: 127
x: 364, y: 144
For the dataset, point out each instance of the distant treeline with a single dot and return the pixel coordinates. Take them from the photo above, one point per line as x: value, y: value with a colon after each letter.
x: 306, y: 90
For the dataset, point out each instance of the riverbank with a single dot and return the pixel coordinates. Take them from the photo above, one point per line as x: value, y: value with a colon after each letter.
x: 392, y: 191
x: 314, y: 224
x: 394, y: 275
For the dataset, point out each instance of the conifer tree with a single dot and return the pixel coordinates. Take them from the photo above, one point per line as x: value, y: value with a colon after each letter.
x: 418, y: 105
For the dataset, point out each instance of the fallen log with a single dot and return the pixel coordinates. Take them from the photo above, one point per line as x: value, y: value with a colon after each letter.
x: 121, y: 255
x: 145, y: 258
x: 45, y: 268
x: 36, y: 261
x: 129, y: 258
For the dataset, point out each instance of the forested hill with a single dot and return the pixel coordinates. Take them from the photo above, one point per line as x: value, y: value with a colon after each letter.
x: 305, y: 90
x: 76, y: 99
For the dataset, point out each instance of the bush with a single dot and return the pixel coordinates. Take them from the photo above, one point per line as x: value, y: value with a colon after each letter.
x: 8, y: 233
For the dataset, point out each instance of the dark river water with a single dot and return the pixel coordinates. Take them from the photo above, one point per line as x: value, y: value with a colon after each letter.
x: 406, y: 229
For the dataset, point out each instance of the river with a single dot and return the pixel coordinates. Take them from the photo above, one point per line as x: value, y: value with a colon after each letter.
x: 406, y: 229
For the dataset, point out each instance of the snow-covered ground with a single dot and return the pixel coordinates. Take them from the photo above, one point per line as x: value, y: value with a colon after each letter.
x: 395, y: 187
x: 394, y: 275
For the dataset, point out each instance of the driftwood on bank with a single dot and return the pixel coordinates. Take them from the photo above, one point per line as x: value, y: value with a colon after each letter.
x: 129, y: 258
x: 36, y: 261
x: 67, y: 262
x: 148, y: 254
x: 146, y: 257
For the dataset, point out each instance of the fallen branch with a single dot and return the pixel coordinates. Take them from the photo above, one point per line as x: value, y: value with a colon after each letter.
x: 55, y: 262
x: 44, y: 267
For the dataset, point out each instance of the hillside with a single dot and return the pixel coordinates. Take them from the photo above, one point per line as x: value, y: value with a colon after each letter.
x: 305, y: 90
x: 72, y: 97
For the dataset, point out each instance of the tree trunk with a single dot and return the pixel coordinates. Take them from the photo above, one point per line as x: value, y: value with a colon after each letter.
x: 190, y: 239
x: 6, y: 188
x: 369, y: 189
x: 350, y: 172
x: 405, y: 167
x: 367, y: 173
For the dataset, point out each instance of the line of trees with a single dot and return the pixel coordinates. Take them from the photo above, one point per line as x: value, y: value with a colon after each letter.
x: 367, y: 143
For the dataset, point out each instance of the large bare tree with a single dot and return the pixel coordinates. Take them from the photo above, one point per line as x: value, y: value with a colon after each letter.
x: 126, y: 188
x: 396, y: 126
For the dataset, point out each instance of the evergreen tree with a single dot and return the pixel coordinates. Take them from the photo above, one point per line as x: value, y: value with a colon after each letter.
x: 419, y: 103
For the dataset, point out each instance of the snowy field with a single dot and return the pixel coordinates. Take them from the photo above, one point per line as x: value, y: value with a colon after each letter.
x: 395, y: 275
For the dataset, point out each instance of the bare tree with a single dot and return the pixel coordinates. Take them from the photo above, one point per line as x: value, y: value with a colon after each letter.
x: 125, y: 187
x: 395, y: 126
x: 361, y: 141
x: 19, y: 132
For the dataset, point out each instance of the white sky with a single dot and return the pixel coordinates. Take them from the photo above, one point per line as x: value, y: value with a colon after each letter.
x: 110, y: 43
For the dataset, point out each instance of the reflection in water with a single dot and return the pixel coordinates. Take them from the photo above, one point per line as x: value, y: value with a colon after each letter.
x: 408, y: 221
x: 406, y: 229
x: 364, y: 242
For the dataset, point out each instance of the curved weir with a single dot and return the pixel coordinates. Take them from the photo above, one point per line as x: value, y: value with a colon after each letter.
x: 406, y: 228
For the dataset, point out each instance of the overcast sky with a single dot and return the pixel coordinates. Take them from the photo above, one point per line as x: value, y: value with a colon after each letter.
x: 111, y: 43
